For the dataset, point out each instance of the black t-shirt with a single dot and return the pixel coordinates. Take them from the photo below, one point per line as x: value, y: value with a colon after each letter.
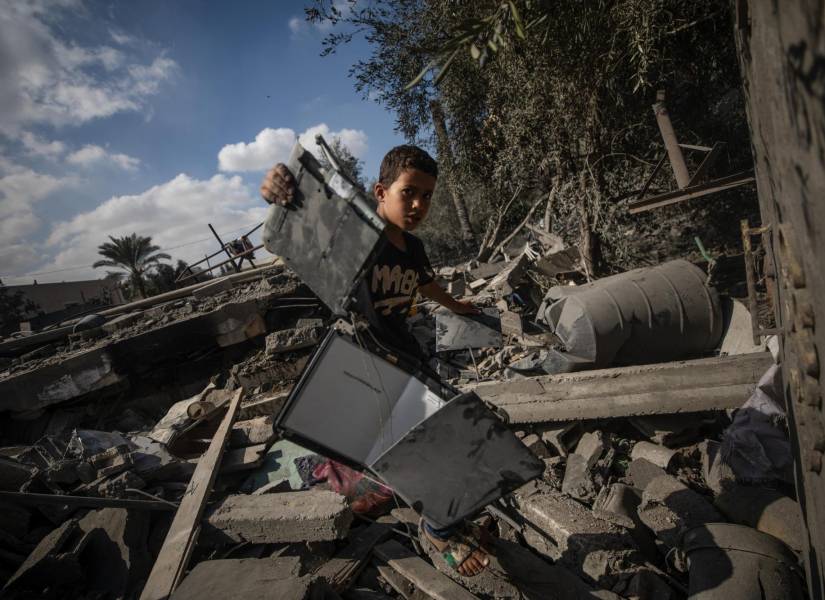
x: 393, y: 281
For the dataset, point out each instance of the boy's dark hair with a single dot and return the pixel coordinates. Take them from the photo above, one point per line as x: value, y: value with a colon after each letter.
x: 405, y: 157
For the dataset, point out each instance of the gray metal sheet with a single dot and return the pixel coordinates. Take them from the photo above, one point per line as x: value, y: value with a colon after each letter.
x: 459, y: 332
x: 326, y: 235
x: 457, y: 461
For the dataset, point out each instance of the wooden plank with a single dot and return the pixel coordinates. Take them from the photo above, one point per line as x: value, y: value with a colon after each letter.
x: 668, y: 388
x: 174, y: 555
x: 425, y: 577
x: 688, y: 193
x: 344, y: 567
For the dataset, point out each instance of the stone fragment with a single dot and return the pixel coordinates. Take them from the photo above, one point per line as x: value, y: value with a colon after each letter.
x: 577, y: 482
x: 641, y: 472
x: 306, y: 516
x: 669, y: 509
x: 252, y: 431
x: 247, y: 578
x: 658, y: 455
x: 457, y: 287
x: 560, y: 437
x: 590, y: 447
x: 669, y: 430
x: 477, y: 284
x: 511, y: 323
x: 618, y: 504
x: 535, y: 445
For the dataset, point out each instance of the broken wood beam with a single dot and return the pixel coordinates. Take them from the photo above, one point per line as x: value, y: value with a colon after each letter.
x: 688, y: 193
x: 173, y: 557
x: 667, y: 388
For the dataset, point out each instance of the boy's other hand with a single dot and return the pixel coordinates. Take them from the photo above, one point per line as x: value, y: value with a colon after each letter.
x: 278, y: 185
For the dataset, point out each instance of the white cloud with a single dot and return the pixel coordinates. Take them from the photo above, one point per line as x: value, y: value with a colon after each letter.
x: 92, y: 155
x: 270, y: 146
x: 37, y: 146
x: 51, y: 80
x: 296, y: 25
x: 273, y: 146
x: 173, y: 213
x: 20, y: 189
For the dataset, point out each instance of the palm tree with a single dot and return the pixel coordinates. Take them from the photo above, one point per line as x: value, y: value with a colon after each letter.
x: 134, y: 254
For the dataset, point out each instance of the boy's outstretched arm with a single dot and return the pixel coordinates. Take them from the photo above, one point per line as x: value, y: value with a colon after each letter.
x: 435, y: 292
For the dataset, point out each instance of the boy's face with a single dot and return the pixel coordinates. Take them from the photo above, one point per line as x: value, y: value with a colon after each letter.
x: 405, y: 203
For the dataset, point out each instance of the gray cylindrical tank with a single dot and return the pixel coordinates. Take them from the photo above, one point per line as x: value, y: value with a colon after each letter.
x: 646, y: 315
x: 729, y: 562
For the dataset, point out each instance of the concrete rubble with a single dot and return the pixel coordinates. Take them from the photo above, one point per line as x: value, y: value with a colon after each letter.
x: 103, y: 429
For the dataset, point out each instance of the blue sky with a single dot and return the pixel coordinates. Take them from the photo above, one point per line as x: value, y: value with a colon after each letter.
x: 158, y: 117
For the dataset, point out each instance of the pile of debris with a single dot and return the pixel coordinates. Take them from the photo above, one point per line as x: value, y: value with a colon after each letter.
x: 141, y: 457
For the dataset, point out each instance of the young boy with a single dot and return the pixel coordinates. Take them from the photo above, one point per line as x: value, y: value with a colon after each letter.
x: 404, y: 191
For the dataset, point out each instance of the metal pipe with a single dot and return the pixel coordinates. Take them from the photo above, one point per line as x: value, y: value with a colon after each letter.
x: 220, y: 241
x: 212, y: 268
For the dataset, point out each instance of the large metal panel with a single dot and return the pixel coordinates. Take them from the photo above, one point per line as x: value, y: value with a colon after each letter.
x: 327, y: 234
x: 445, y: 457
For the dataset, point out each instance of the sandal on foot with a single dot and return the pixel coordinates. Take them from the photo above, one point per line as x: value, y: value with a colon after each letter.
x: 459, y: 547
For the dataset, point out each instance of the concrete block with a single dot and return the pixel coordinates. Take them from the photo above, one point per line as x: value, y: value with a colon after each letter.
x: 577, y: 482
x: 535, y: 445
x: 252, y: 431
x: 658, y: 455
x: 641, y: 472
x: 560, y: 437
x: 590, y: 447
x: 288, y: 340
x: 618, y: 503
x: 247, y: 578
x: 669, y: 508
x: 595, y: 548
x: 457, y: 288
x: 313, y: 515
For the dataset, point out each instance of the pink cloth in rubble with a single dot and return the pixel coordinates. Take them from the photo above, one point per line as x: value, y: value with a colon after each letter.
x: 365, y: 495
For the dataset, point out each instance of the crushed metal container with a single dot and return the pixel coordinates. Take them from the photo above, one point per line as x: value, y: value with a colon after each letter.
x: 327, y: 234
x: 446, y: 454
x: 654, y: 314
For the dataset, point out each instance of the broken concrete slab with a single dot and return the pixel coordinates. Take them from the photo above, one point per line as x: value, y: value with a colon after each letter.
x: 669, y: 508
x: 658, y: 455
x: 266, y: 406
x: 54, y: 562
x: 312, y: 515
x: 460, y: 332
x: 90, y: 371
x: 116, y: 554
x: 289, y: 340
x: 668, y: 388
x: 564, y: 530
x: 247, y: 578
